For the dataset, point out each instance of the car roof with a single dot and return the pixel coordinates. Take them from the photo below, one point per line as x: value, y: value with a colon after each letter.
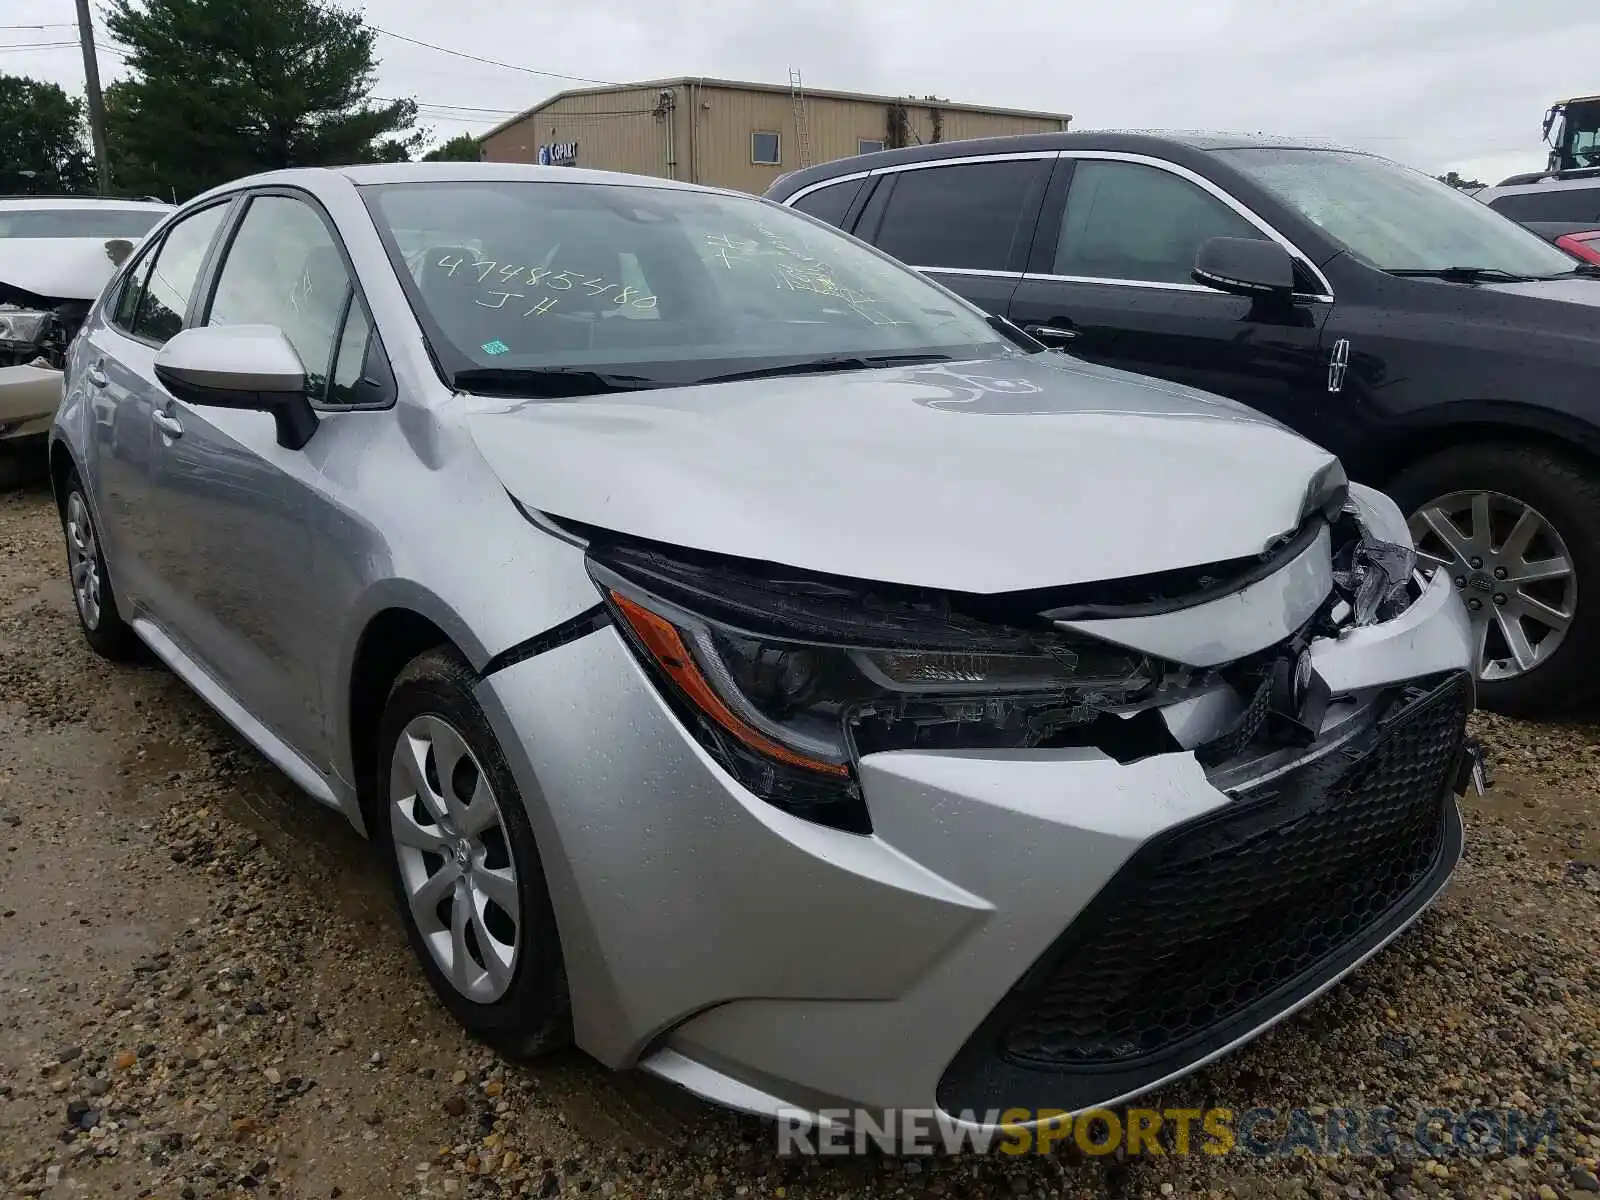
x: 51, y: 203
x: 1160, y: 143
x: 1543, y: 185
x: 372, y: 174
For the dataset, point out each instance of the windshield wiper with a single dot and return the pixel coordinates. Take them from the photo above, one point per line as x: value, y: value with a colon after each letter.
x: 1462, y: 274
x: 836, y: 362
x: 546, y: 382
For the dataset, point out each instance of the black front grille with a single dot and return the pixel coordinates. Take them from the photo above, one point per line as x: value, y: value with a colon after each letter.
x: 1218, y: 923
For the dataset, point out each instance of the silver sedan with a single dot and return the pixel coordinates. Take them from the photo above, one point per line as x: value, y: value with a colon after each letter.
x: 761, y: 667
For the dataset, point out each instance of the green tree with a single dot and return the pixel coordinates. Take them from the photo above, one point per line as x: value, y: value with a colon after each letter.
x: 461, y: 148
x: 41, y: 138
x: 224, y: 88
x: 1455, y: 181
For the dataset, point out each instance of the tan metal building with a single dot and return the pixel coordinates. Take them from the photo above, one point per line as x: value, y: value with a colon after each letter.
x: 736, y: 135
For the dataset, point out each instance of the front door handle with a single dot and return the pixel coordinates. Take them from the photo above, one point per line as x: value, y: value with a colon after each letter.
x: 1050, y: 333
x: 96, y: 376
x: 167, y: 423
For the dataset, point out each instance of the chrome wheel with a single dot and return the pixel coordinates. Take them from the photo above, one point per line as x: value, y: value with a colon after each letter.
x: 83, y: 560
x: 1512, y: 568
x: 455, y: 860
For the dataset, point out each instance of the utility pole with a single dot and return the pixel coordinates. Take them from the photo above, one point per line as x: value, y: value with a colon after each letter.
x: 97, y: 107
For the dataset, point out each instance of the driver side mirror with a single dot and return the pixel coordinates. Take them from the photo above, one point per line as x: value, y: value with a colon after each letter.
x: 247, y: 367
x: 1252, y: 267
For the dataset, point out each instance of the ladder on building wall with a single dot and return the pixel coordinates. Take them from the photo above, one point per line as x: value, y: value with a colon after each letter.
x: 802, y: 132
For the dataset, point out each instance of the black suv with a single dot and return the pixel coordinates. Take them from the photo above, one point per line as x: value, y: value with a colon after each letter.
x: 1444, y: 352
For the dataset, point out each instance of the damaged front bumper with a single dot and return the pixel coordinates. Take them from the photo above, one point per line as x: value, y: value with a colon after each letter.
x: 1041, y: 928
x: 29, y: 397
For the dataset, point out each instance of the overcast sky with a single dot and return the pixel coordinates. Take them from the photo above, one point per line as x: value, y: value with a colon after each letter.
x: 1439, y: 84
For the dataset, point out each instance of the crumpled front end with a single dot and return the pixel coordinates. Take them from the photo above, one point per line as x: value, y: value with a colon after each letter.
x: 1040, y: 875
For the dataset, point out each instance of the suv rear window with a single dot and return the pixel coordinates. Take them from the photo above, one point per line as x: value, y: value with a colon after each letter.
x: 78, y: 223
x: 1555, y: 204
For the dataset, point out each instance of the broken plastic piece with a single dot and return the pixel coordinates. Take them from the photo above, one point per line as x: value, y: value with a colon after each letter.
x: 1376, y: 579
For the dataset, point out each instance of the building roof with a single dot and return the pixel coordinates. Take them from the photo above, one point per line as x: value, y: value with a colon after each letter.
x: 782, y: 89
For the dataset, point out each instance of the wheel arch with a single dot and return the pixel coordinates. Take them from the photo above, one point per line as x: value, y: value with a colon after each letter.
x: 390, y: 639
x: 1472, y: 424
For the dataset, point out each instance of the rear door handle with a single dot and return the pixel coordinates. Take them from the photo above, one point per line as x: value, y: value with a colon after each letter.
x: 1051, y: 333
x: 167, y: 423
x: 96, y: 376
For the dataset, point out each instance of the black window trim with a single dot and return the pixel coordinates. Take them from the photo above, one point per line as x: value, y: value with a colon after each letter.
x: 376, y: 369
x: 148, y: 253
x: 1303, y: 260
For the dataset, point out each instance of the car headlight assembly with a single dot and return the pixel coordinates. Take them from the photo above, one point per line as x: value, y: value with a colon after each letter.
x: 786, y: 685
x: 1375, y: 562
x: 23, y: 327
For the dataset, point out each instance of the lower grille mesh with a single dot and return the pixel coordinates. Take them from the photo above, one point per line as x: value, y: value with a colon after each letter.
x: 1219, y: 915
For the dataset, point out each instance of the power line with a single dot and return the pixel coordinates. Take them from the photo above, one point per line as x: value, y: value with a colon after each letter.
x: 46, y: 25
x: 37, y: 46
x: 400, y: 37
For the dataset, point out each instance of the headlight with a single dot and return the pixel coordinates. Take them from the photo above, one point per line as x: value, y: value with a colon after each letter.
x: 23, y: 326
x: 787, y: 686
x: 1376, y: 562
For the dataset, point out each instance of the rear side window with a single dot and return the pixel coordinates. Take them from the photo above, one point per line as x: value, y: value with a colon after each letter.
x: 127, y: 305
x: 962, y: 216
x: 830, y: 203
x: 177, y: 265
x: 1556, y: 204
x: 1129, y: 221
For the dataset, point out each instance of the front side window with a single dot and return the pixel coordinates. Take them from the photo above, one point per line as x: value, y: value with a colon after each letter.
x: 663, y: 284
x: 1130, y: 221
x: 285, y: 269
x: 765, y: 148
x: 1550, y: 204
x: 176, y: 266
x: 961, y: 216
x: 101, y: 223
x: 1393, y: 218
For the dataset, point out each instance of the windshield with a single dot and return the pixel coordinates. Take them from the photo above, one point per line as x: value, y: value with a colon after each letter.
x: 1394, y: 218
x: 78, y: 223
x: 657, y: 284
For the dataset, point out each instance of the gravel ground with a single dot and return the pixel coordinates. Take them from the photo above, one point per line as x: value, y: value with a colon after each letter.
x: 203, y: 992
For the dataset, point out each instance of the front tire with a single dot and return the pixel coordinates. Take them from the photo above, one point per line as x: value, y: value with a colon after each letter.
x: 93, y: 597
x: 464, y: 863
x: 1518, y: 528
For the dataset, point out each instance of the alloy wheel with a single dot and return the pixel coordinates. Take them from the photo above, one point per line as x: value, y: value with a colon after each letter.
x: 83, y: 560
x: 1512, y: 568
x: 455, y: 859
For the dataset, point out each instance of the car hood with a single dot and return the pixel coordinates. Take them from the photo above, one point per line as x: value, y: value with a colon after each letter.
x: 55, y: 268
x: 1577, y: 290
x: 1012, y: 473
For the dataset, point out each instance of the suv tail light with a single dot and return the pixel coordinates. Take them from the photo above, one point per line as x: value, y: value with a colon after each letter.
x: 1584, y: 245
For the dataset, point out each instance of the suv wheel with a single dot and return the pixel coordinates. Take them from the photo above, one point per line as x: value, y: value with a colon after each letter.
x: 464, y: 864
x: 1518, y: 529
x: 104, y: 629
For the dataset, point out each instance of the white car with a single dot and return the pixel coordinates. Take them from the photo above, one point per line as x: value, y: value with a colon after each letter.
x: 56, y: 254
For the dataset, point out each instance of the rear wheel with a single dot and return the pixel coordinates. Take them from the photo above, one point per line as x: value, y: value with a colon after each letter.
x: 1517, y: 528
x: 103, y: 628
x: 464, y: 863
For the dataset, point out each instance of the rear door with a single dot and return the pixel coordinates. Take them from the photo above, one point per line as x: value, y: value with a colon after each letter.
x: 148, y: 309
x: 1108, y: 280
x: 967, y: 223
